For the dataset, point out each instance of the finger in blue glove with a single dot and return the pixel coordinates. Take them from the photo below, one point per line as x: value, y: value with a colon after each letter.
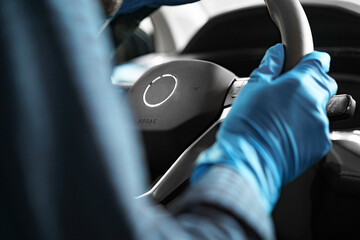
x: 277, y: 127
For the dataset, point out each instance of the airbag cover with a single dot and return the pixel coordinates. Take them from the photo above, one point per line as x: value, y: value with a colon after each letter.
x: 174, y: 103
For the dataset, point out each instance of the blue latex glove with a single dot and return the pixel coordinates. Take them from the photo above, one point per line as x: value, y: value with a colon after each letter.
x: 278, y: 125
x: 129, y: 6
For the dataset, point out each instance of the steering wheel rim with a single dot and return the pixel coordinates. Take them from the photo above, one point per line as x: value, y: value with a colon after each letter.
x: 291, y: 20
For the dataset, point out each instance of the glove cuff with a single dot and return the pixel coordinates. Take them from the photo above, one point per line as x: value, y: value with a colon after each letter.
x: 245, y: 162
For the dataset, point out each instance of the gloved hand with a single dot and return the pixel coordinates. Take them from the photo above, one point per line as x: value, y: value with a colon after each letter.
x: 129, y: 6
x: 277, y: 127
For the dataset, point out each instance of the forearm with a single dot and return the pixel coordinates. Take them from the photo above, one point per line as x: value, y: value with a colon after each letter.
x: 222, y: 205
x: 229, y: 194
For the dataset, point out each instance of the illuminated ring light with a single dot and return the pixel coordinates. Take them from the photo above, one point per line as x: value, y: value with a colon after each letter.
x: 155, y: 80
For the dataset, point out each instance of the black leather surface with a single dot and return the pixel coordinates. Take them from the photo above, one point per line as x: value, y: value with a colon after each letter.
x: 336, y: 194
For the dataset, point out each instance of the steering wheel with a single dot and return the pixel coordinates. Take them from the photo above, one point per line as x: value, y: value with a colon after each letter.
x: 180, y: 105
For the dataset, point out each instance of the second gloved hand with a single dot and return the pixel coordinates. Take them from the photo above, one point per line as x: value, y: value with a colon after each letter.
x: 277, y: 127
x: 129, y: 6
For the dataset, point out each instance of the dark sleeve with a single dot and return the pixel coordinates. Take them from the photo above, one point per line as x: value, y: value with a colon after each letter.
x: 222, y: 194
x: 70, y: 163
x: 220, y: 206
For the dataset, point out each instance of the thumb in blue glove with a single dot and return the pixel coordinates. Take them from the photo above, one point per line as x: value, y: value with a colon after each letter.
x: 277, y: 127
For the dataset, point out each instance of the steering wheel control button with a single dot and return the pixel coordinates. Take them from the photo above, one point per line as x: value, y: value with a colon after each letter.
x: 234, y: 90
x: 160, y: 90
x: 237, y: 86
x: 340, y: 107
